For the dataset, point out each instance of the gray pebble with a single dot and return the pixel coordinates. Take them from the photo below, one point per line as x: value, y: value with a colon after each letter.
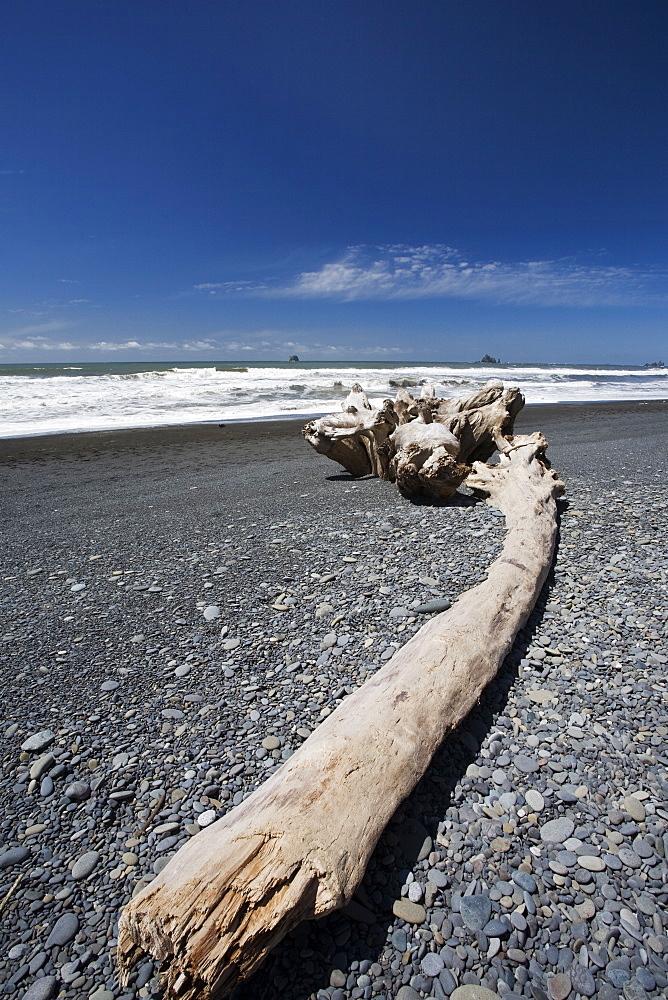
x: 64, y: 929
x: 39, y: 741
x: 432, y: 964
x: 408, y: 993
x: 475, y: 911
x: 42, y: 989
x: 556, y: 831
x: 582, y: 980
x: 645, y: 978
x: 634, y: 991
x: 496, y: 928
x: 84, y: 865
x: 525, y: 764
x: 14, y: 856
x: 524, y: 880
x: 415, y: 892
x: 78, y: 791
x: 433, y: 607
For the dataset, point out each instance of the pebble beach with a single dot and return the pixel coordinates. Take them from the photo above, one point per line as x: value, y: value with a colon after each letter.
x: 182, y: 606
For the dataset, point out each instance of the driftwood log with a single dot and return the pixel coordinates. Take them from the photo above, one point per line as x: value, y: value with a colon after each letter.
x: 298, y: 847
x: 425, y: 445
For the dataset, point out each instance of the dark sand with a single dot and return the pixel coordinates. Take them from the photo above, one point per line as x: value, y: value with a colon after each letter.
x: 265, y: 463
x: 165, y: 481
x: 564, y: 424
x: 61, y: 483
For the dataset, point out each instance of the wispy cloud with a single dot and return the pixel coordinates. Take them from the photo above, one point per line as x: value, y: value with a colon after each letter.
x: 152, y: 345
x: 438, y: 271
x: 213, y: 287
x: 38, y: 328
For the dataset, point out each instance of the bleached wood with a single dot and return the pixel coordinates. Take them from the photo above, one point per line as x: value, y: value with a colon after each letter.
x: 297, y: 848
x: 425, y: 445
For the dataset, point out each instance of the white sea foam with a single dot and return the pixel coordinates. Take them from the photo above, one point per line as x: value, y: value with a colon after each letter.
x: 56, y: 398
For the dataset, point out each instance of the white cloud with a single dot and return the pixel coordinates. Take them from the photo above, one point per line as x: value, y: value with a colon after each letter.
x: 438, y: 271
x: 108, y: 345
x: 260, y: 344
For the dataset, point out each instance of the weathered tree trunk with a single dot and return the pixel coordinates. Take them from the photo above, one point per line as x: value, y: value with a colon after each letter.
x: 426, y: 446
x: 297, y: 848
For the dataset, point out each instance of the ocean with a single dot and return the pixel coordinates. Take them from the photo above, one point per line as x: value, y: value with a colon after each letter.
x: 55, y: 398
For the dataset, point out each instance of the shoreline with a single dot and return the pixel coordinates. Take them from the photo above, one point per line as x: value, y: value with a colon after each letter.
x: 531, y: 417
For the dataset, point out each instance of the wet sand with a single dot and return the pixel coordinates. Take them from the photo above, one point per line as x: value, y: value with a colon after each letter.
x: 566, y: 424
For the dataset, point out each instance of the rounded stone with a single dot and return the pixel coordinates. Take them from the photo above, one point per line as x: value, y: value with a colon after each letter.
x: 496, y: 928
x: 524, y: 880
x: 206, y: 818
x: 634, y: 808
x: 42, y: 989
x: 645, y: 978
x: 14, y: 856
x: 408, y: 993
x: 473, y: 993
x: 582, y: 981
x: 634, y: 991
x: 412, y: 913
x: 556, y: 831
x: 629, y: 858
x: 617, y: 974
x: 534, y: 800
x: 525, y: 764
x: 591, y: 863
x: 559, y: 986
x: 64, y: 929
x: 415, y: 892
x: 211, y: 613
x: 42, y: 765
x: 432, y: 964
x: 78, y: 791
x: 39, y: 741
x: 84, y: 865
x: 500, y: 845
x: 271, y: 743
x: 433, y: 607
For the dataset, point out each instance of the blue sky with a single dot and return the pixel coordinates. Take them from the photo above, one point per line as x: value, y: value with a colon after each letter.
x: 356, y: 180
